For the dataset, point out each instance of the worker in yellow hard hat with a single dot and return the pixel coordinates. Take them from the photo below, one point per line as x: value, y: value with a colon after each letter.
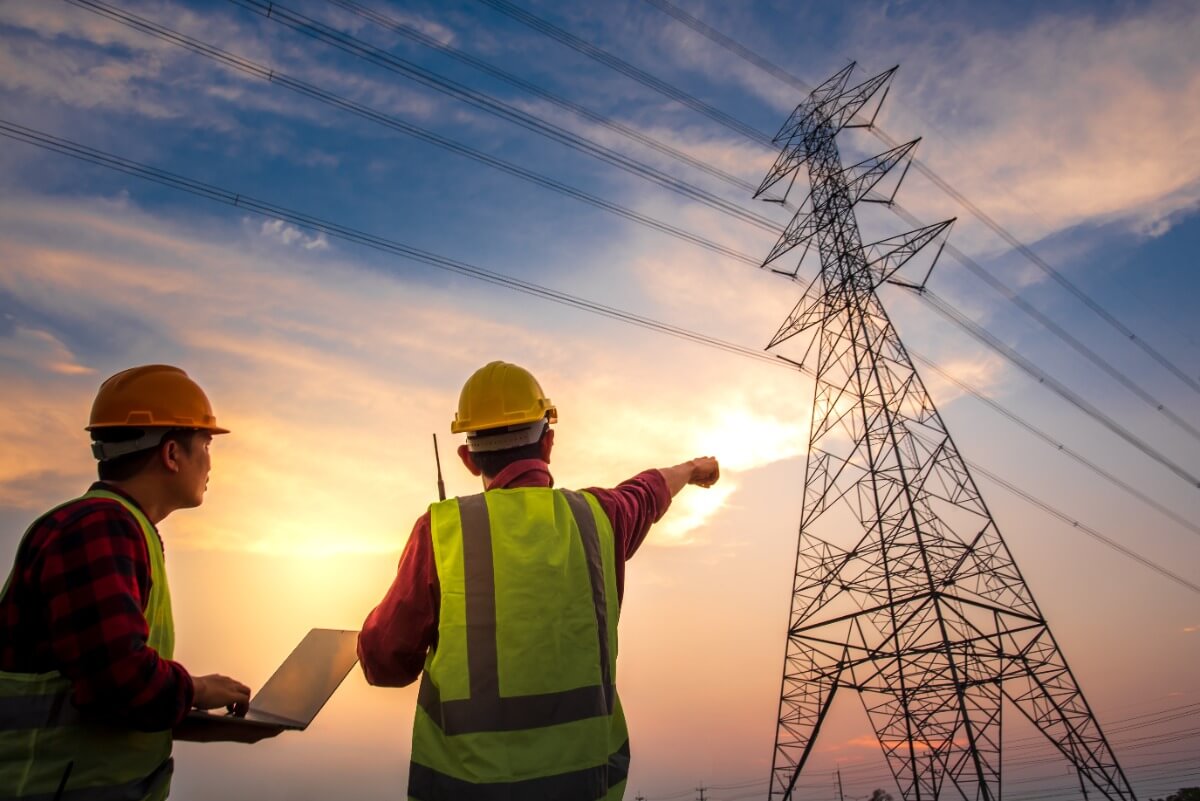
x: 506, y: 604
x: 89, y: 693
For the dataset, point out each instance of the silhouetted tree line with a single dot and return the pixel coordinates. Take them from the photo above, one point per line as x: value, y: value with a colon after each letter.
x: 1185, y: 794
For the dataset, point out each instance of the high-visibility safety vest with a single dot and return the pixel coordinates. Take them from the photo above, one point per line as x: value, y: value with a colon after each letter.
x: 518, y: 700
x: 50, y: 752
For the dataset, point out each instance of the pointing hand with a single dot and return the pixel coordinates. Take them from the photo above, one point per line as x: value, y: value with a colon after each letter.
x: 705, y: 471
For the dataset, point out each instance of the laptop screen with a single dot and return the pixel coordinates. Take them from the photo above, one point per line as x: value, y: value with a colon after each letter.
x: 309, y: 676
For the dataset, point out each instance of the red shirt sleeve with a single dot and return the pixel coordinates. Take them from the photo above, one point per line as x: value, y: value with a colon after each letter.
x: 397, y: 634
x: 94, y: 577
x: 632, y: 507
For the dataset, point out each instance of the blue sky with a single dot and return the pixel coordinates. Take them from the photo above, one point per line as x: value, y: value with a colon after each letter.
x: 1076, y: 126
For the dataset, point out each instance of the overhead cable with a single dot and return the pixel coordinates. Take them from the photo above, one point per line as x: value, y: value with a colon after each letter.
x: 1042, y: 377
x: 282, y: 15
x: 625, y: 68
x: 175, y: 181
x: 1053, y: 442
x: 1060, y: 332
x: 412, y: 34
x: 324, y: 33
x: 1086, y: 529
x: 776, y: 71
x: 338, y: 231
x: 730, y: 44
x: 309, y: 90
x: 258, y: 70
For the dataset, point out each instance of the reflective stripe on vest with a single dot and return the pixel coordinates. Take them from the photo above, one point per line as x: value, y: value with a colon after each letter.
x: 498, y: 709
x: 603, y: 782
x: 48, y: 750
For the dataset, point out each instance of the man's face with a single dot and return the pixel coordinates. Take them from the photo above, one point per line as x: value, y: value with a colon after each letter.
x: 194, y: 466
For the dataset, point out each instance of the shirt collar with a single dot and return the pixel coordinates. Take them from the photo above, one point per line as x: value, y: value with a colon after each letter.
x: 523, y: 473
x: 102, y: 485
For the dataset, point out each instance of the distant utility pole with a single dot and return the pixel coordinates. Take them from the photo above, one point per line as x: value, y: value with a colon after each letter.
x: 841, y: 794
x: 904, y: 590
x: 701, y: 790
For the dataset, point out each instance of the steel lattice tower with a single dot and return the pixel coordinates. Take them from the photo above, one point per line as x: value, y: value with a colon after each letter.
x: 919, y: 607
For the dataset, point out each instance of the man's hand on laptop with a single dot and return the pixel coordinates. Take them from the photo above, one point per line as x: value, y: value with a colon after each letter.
x: 214, y: 690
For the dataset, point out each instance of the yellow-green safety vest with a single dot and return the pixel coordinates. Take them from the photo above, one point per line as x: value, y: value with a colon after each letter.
x: 518, y: 700
x: 49, y: 752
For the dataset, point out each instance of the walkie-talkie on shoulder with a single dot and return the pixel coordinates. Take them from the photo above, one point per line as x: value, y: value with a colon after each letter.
x: 438, y: 460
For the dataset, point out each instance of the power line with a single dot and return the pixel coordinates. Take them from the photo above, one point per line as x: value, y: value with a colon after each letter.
x: 1058, y: 331
x: 338, y: 231
x: 411, y: 33
x: 731, y: 45
x: 254, y: 69
x: 1057, y: 445
x: 281, y: 15
x: 258, y: 70
x: 625, y: 68
x: 325, y: 34
x: 776, y: 71
x: 871, y: 774
x: 357, y: 47
x: 1086, y: 529
x: 574, y: 42
x: 1042, y: 377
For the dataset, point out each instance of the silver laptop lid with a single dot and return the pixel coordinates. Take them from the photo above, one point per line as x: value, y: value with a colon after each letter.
x: 308, y: 677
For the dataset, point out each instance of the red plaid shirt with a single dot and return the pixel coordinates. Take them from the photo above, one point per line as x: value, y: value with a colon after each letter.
x: 398, y: 633
x: 75, y: 604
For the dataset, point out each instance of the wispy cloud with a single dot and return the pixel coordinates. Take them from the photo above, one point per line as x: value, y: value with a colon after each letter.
x: 38, y: 349
x: 1063, y: 121
x: 288, y: 234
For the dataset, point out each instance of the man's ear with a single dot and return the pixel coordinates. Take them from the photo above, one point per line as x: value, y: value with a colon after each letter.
x: 168, y: 455
x: 464, y: 453
x: 547, y: 444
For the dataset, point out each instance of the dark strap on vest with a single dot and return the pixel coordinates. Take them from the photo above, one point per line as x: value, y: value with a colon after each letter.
x: 589, y: 784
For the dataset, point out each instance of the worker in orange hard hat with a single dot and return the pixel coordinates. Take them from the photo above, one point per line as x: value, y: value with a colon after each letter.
x: 90, y: 692
x: 507, y: 603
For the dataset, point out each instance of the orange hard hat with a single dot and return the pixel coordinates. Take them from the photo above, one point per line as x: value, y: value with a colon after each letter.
x: 153, y: 396
x: 500, y: 395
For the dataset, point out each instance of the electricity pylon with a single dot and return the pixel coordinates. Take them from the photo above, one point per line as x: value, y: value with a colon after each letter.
x: 914, y: 600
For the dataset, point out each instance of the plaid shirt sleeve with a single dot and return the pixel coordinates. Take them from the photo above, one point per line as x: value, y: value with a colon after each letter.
x: 93, y: 577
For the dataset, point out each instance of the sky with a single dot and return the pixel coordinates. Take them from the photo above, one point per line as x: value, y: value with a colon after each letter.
x: 1075, y: 126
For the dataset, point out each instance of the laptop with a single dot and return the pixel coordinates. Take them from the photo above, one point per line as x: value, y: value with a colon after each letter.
x: 298, y: 689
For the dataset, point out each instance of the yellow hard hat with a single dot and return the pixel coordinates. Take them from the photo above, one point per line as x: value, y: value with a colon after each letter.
x: 152, y: 396
x: 501, y: 395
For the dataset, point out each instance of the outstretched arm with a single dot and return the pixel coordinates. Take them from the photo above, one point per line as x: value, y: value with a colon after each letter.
x: 702, y: 471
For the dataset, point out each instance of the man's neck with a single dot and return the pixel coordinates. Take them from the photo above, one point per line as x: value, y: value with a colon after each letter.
x: 150, y: 498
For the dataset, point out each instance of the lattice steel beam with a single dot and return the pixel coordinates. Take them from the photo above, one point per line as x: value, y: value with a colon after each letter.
x: 904, y: 590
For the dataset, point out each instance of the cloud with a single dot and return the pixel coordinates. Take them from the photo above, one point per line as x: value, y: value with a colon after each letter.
x: 1063, y: 121
x: 1191, y: 629
x: 37, y: 349
x: 1045, y: 123
x: 287, y: 234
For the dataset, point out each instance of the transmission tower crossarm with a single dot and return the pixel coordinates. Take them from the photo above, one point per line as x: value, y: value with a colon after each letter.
x: 818, y: 119
x: 860, y: 180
